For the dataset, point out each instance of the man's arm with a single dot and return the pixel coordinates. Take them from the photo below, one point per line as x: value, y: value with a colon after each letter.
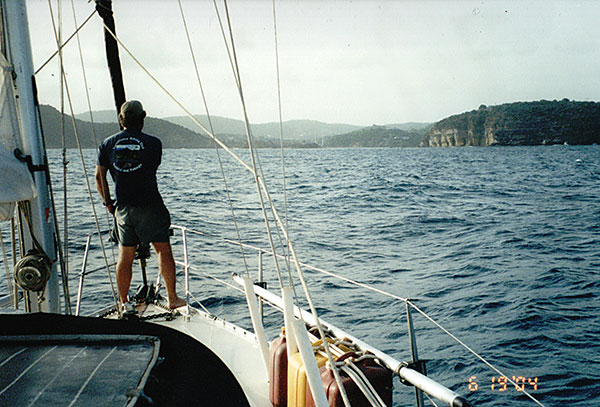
x: 102, y: 188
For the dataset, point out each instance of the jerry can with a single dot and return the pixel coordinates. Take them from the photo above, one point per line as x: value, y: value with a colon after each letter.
x: 278, y: 371
x: 379, y: 377
x: 297, y: 382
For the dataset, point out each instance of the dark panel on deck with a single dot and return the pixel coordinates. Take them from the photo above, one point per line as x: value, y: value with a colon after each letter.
x: 189, y: 374
x: 74, y: 370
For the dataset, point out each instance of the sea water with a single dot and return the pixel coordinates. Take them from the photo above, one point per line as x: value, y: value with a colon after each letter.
x: 500, y: 246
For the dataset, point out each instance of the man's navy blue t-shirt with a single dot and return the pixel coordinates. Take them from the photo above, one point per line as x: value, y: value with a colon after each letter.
x: 132, y: 157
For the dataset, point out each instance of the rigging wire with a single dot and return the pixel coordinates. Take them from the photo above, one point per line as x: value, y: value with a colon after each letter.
x: 283, y: 175
x: 65, y: 162
x: 260, y: 178
x: 395, y: 297
x: 227, y: 191
x: 263, y: 185
x: 251, y: 148
x: 227, y: 48
x: 294, y: 256
x: 89, y: 103
x: 274, y: 212
x: 85, y: 173
x: 64, y: 44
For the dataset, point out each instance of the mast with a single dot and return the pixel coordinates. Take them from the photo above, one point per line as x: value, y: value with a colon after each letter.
x: 18, y: 53
x: 104, y: 8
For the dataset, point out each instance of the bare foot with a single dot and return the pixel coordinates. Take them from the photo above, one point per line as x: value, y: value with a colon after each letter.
x: 179, y: 302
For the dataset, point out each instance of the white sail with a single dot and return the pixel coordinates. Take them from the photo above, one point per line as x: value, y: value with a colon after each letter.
x: 17, y: 182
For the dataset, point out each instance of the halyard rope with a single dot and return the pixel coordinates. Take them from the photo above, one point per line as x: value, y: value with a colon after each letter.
x: 283, y: 174
x: 258, y: 167
x: 89, y: 189
x: 233, y: 63
x: 296, y: 261
x: 253, y: 154
x: 260, y: 180
x: 65, y: 249
x: 237, y: 230
x: 89, y: 103
x: 64, y: 43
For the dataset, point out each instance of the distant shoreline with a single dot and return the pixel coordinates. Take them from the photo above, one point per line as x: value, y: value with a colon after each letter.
x: 519, y: 123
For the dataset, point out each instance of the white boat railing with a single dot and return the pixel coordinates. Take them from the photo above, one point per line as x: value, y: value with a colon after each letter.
x: 404, y: 370
x: 407, y: 371
x: 409, y: 375
x: 85, y: 272
x: 409, y: 305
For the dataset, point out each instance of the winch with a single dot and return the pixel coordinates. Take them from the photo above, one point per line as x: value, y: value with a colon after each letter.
x: 33, y: 271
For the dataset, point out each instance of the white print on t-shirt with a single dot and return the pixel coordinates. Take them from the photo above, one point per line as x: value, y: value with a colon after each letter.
x: 128, y: 154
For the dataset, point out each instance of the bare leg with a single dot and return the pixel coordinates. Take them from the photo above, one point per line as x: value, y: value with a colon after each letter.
x: 126, y: 257
x: 166, y: 265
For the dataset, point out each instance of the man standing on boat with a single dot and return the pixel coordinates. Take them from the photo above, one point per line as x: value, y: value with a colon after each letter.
x: 132, y: 158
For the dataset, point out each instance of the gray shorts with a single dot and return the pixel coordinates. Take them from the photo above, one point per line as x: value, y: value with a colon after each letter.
x: 146, y: 224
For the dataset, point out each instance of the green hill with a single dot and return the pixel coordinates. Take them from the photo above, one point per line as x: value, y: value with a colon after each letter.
x: 171, y: 135
x: 375, y: 136
x: 100, y: 116
x: 297, y: 133
x: 299, y: 130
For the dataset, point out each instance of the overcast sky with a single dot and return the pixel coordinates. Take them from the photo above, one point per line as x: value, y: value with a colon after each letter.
x: 348, y: 61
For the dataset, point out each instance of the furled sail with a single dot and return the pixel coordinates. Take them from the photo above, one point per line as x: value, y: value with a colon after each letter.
x: 16, y: 182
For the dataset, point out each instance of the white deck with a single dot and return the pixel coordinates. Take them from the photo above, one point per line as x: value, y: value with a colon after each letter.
x: 235, y: 346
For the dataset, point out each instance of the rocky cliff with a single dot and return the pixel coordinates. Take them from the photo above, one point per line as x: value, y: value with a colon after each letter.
x: 521, y: 123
